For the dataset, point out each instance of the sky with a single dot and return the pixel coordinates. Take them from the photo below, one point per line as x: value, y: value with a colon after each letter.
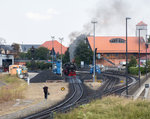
x: 35, y: 21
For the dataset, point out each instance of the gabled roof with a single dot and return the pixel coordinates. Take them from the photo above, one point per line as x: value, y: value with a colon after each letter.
x: 6, y: 47
x: 56, y: 45
x: 104, y: 45
x: 26, y: 47
x: 141, y: 23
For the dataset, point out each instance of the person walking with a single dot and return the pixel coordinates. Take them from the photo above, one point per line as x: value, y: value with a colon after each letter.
x: 45, y: 89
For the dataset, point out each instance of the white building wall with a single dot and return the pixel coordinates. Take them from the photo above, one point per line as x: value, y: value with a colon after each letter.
x: 5, y: 57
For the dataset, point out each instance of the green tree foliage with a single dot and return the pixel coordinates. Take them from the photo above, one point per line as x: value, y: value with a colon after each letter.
x: 38, y: 65
x: 22, y: 55
x: 135, y: 70
x: 132, y: 62
x: 30, y: 55
x: 83, y: 53
x: 16, y: 49
x: 66, y: 56
x: 148, y: 66
x: 41, y: 53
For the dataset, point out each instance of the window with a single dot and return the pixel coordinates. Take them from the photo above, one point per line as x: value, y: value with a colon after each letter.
x: 117, y: 40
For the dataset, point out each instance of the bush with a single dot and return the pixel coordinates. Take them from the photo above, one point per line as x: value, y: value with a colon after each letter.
x: 135, y: 70
x: 28, y: 64
x: 132, y: 62
x: 38, y: 65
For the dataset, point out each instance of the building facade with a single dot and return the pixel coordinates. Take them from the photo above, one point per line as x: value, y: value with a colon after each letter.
x: 111, y: 50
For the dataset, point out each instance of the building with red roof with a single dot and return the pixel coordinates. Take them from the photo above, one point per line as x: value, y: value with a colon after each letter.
x: 112, y: 49
x: 56, y: 45
x: 141, y: 23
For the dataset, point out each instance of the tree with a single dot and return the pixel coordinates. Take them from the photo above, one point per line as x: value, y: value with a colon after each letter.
x: 83, y: 53
x: 16, y: 49
x: 30, y: 53
x: 148, y: 65
x: 22, y: 55
x: 132, y: 62
x: 66, y: 56
x: 41, y: 53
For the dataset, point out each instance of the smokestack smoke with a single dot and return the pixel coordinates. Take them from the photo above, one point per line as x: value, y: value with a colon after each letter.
x: 74, y: 44
x: 110, y: 15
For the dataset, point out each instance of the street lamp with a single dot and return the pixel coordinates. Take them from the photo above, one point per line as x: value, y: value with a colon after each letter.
x: 146, y: 54
x: 61, y: 39
x: 127, y: 18
x: 139, y: 58
x: 32, y: 54
x: 94, y: 22
x: 53, y: 37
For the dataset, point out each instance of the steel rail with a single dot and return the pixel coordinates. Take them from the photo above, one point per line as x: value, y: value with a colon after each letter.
x: 66, y: 104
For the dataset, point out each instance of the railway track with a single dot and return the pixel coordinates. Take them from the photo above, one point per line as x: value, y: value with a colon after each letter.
x: 109, y: 87
x: 77, y: 93
x: 132, y: 80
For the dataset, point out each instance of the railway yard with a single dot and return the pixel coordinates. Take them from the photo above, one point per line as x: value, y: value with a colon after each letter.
x: 78, y: 90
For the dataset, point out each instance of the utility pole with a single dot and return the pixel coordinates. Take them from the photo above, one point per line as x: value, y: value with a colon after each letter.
x: 127, y: 18
x: 61, y: 39
x: 94, y: 22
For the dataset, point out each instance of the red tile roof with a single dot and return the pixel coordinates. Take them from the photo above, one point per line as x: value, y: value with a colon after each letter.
x: 57, y: 46
x: 104, y: 45
x: 141, y: 24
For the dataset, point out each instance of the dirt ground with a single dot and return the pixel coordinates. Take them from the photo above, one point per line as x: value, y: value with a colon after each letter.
x: 34, y: 96
x: 34, y: 99
x: 93, y: 85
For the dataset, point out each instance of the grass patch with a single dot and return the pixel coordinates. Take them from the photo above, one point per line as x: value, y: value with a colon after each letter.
x: 110, y: 108
x: 13, y: 89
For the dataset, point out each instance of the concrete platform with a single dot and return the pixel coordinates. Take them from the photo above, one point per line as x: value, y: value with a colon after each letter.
x: 139, y: 91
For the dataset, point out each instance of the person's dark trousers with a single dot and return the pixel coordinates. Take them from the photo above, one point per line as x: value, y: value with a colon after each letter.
x: 45, y: 95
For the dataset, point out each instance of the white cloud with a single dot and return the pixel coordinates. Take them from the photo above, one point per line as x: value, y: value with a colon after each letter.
x: 42, y: 16
x: 52, y: 11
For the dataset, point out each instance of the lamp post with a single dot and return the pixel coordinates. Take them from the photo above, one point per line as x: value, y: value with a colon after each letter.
x: 127, y: 18
x: 61, y: 39
x: 146, y: 54
x: 139, y: 58
x: 53, y: 37
x: 32, y: 54
x: 94, y: 22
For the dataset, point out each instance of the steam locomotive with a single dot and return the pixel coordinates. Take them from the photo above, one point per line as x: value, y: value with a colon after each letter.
x: 69, y: 69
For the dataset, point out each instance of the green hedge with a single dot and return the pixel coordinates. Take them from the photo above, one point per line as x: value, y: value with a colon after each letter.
x: 38, y: 65
x: 135, y: 70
